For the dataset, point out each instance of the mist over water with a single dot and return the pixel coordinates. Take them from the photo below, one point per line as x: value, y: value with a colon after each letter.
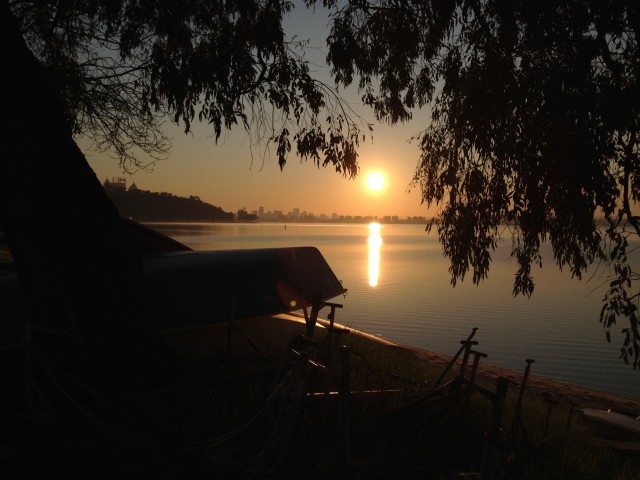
x: 399, y: 289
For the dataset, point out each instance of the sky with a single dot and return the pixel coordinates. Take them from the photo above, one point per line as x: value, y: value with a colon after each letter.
x: 232, y: 175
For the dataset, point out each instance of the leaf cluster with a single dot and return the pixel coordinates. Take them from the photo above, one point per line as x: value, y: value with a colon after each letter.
x: 534, y: 119
x: 123, y: 66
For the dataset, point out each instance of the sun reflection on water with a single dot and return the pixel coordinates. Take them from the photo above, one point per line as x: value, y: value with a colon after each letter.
x: 375, y: 242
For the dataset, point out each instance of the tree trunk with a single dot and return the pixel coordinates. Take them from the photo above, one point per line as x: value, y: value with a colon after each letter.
x: 77, y: 266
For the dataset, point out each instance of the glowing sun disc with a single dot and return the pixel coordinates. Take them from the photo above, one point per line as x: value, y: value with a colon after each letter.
x: 375, y: 181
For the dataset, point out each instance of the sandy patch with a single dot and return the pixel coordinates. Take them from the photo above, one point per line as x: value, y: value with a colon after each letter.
x: 547, y: 388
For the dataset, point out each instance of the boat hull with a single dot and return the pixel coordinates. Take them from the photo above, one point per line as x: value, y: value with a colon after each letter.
x: 198, y: 288
x: 194, y: 296
x: 267, y: 335
x: 613, y: 425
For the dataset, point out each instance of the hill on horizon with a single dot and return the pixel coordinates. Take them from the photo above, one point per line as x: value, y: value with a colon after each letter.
x: 146, y: 206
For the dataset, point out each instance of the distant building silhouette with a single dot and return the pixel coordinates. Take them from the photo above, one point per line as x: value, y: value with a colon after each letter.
x: 116, y: 183
x: 301, y: 216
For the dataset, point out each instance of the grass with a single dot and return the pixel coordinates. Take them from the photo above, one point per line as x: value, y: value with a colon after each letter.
x: 246, y: 419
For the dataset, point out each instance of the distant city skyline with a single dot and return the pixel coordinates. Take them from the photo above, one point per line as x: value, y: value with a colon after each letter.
x: 297, y: 214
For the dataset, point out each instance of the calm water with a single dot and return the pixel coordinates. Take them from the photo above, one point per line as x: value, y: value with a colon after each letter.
x: 399, y: 289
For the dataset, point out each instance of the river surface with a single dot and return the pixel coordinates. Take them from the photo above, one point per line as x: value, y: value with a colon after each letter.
x: 399, y: 289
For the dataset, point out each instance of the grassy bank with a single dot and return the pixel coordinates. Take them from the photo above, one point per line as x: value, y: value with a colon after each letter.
x: 255, y: 417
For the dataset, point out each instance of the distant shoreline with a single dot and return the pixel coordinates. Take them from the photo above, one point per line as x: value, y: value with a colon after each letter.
x: 277, y: 222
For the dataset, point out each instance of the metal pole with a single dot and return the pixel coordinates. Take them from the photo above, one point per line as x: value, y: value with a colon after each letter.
x: 454, y: 359
x: 517, y: 417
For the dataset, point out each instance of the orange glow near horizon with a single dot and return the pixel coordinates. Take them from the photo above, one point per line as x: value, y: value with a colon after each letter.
x: 375, y: 243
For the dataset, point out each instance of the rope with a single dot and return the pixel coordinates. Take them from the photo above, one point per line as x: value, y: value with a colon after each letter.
x: 284, y: 422
x: 289, y: 391
x: 110, y: 430
x: 292, y: 387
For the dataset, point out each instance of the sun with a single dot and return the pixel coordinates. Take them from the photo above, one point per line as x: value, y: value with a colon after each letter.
x: 375, y: 181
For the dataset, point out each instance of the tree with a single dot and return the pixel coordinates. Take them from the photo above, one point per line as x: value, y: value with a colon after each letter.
x: 113, y: 71
x: 534, y: 125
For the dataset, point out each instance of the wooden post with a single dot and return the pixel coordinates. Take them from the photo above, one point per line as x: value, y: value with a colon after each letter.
x: 468, y: 391
x: 332, y: 314
x: 467, y: 344
x: 455, y: 357
x: 311, y: 319
x: 476, y: 360
x: 345, y: 404
x: 491, y: 455
x: 463, y: 393
x: 517, y: 416
x: 498, y: 407
x: 331, y: 331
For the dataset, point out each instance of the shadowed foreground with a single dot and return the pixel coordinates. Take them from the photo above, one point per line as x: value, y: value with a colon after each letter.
x: 346, y: 406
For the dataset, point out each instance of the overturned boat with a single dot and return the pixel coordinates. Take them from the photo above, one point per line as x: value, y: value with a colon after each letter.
x: 206, y: 301
x: 197, y: 296
x: 616, y: 429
